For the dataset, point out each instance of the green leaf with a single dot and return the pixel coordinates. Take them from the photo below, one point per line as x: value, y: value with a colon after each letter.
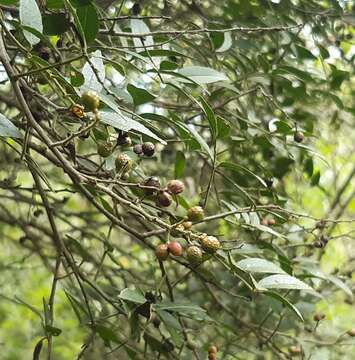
x: 106, y: 334
x: 160, y: 53
x: 283, y: 282
x: 308, y: 166
x: 187, y: 309
x: 200, y: 140
x: 138, y: 26
x: 201, y: 75
x: 258, y: 265
x: 210, y: 116
x: 55, y: 24
x: 93, y: 81
x: 132, y: 295
x: 89, y: 21
x: 140, y: 96
x: 227, y: 43
x: 179, y: 164
x: 8, y: 129
x: 315, y: 178
x: 300, y: 74
x: 37, y: 350
x: 30, y: 16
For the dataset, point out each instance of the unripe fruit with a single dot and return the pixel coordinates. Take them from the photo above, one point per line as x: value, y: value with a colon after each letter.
x: 138, y: 149
x: 124, y: 141
x: 151, y: 181
x: 90, y: 100
x: 196, y: 213
x: 318, y: 317
x: 210, y: 244
x: 148, y: 148
x: 295, y: 350
x: 174, y: 231
x: 212, y: 349
x: 164, y: 199
x: 123, y: 162
x: 194, y: 254
x: 191, y: 345
x: 104, y: 149
x: 187, y: 225
x: 175, y: 248
x: 351, y: 332
x: 161, y: 252
x: 176, y: 187
x: 298, y: 136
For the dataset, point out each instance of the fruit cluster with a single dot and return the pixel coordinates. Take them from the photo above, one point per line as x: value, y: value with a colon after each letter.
x: 163, y: 251
x: 212, y: 352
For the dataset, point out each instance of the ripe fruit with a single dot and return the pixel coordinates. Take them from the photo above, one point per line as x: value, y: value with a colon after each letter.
x: 194, y: 254
x: 123, y: 162
x: 210, y: 244
x: 161, y: 252
x: 264, y: 222
x: 104, y: 149
x: 295, y: 350
x: 196, y: 213
x: 164, y: 199
x: 124, y: 141
x: 175, y: 248
x: 351, y: 332
x: 151, y: 181
x: 271, y: 222
x: 176, y: 187
x: 90, y: 100
x: 187, y: 225
x: 148, y: 148
x: 318, y: 317
x: 212, y: 356
x: 298, y: 136
x: 138, y: 149
x: 212, y: 349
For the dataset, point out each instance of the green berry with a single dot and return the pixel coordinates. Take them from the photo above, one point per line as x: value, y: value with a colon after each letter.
x: 194, y: 254
x: 196, y: 213
x: 210, y: 244
x: 90, y: 100
x: 123, y: 162
x: 104, y: 149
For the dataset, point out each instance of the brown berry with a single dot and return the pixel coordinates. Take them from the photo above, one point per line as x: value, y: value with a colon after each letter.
x: 319, y: 317
x: 196, y: 213
x: 124, y: 141
x: 152, y: 181
x: 77, y: 110
x: 123, y: 162
x: 156, y: 321
x: 148, y: 148
x: 187, y: 225
x: 175, y: 187
x: 177, y: 231
x: 212, y: 356
x: 264, y: 222
x: 298, y: 136
x: 138, y: 149
x: 351, y: 332
x: 164, y: 199
x: 271, y: 222
x: 210, y: 244
x: 194, y: 254
x: 161, y: 252
x: 90, y: 100
x: 295, y: 350
x: 212, y: 349
x: 104, y: 149
x: 175, y: 248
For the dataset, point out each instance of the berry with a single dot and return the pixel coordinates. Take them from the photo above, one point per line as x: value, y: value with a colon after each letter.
x: 210, y: 244
x: 351, y: 332
x: 196, y: 213
x: 271, y: 222
x: 174, y: 231
x: 151, y: 181
x: 156, y: 321
x: 318, y: 317
x: 138, y: 149
x: 104, y: 149
x: 161, y: 252
x: 175, y: 187
x: 175, y: 248
x: 212, y: 356
x: 148, y: 148
x: 77, y: 110
x: 318, y: 244
x: 124, y: 141
x: 187, y: 225
x: 194, y: 254
x: 123, y: 162
x: 212, y: 349
x: 90, y: 100
x: 269, y: 182
x: 164, y: 199
x: 295, y: 350
x: 298, y: 136
x: 264, y: 222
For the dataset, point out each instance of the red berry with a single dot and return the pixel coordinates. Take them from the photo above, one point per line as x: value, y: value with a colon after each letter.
x: 164, y: 199
x: 271, y: 222
x: 175, y: 248
x: 162, y: 252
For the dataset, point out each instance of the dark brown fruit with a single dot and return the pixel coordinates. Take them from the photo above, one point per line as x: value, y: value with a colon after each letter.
x: 212, y: 349
x: 351, y: 332
x: 164, y: 199
x: 151, y: 181
x: 318, y: 244
x: 161, y: 252
x: 138, y: 149
x: 123, y: 162
x: 175, y: 187
x: 210, y: 244
x: 175, y: 248
x: 90, y: 100
x: 298, y: 136
x: 194, y: 254
x: 124, y: 141
x: 295, y: 350
x: 104, y: 149
x: 196, y: 213
x: 156, y: 321
x: 148, y: 148
x: 319, y: 317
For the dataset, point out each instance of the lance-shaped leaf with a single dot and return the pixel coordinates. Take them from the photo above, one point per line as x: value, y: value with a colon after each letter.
x: 30, y: 16
x: 258, y: 265
x: 8, y: 129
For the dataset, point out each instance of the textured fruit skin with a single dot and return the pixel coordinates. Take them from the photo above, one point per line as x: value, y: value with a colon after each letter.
x: 151, y: 181
x: 138, y: 149
x: 124, y: 141
x: 298, y: 136
x: 104, y: 149
x: 148, y: 148
x: 212, y: 349
x: 164, y: 199
x: 90, y: 100
x: 319, y: 317
x: 295, y: 350
x: 187, y: 225
x: 194, y: 254
x: 175, y: 187
x: 210, y: 244
x: 175, y: 248
x: 174, y: 232
x: 195, y: 213
x: 351, y: 332
x: 161, y: 252
x: 123, y: 162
